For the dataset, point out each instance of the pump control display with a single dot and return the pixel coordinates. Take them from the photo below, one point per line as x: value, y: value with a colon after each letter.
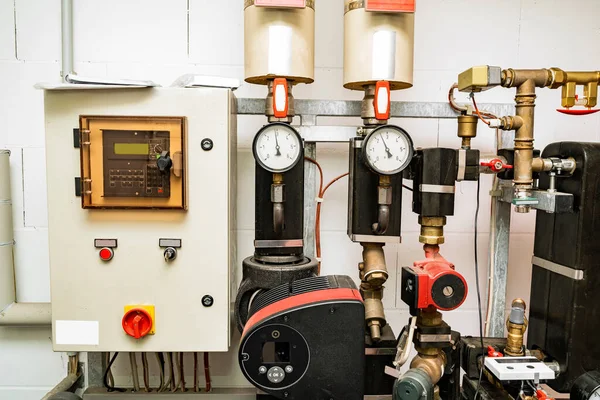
x: 132, y: 162
x: 388, y: 150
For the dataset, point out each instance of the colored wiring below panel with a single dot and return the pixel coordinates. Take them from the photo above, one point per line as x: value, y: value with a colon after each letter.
x: 134, y: 372
x: 195, y: 371
x: 110, y: 386
x: 161, y: 366
x: 147, y: 387
x: 207, y: 373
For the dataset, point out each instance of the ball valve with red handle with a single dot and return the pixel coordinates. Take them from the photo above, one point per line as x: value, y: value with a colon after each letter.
x: 137, y: 323
x: 496, y: 165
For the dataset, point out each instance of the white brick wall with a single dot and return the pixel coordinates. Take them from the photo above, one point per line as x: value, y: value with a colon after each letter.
x: 158, y: 40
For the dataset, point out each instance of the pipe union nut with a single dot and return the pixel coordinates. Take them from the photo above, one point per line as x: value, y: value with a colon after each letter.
x: 278, y: 193
x: 384, y: 195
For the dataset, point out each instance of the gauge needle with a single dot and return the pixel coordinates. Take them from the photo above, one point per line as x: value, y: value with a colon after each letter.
x: 387, y: 149
x: 277, y: 144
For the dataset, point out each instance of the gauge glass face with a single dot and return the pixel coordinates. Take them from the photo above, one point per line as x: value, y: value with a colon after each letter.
x: 277, y: 148
x: 388, y: 150
x: 595, y: 395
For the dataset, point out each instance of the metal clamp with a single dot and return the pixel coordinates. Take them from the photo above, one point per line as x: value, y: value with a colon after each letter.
x: 443, y: 189
x: 462, y: 165
x: 569, y: 272
x: 267, y: 244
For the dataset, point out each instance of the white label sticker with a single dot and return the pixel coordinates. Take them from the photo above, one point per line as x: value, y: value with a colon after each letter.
x: 85, y: 333
x: 384, y: 56
x: 280, y: 50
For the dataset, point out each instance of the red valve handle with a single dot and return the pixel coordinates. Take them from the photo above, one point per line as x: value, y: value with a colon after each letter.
x: 569, y: 111
x: 493, y: 353
x: 496, y: 165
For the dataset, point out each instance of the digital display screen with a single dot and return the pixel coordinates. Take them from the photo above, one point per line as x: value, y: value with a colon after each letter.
x: 276, y: 352
x: 131, y: 149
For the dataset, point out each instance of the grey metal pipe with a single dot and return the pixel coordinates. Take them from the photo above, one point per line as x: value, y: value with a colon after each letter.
x: 66, y: 38
x: 26, y: 314
x: 11, y: 312
x: 67, y: 383
x: 7, y: 272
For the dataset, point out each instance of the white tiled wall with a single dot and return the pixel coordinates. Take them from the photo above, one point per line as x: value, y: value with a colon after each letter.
x: 160, y: 40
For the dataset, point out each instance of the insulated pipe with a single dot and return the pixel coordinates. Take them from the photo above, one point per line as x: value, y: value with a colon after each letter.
x: 7, y: 273
x: 66, y: 38
x: 11, y: 312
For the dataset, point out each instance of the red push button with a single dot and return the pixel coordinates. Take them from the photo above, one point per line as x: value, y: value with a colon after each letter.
x: 137, y: 323
x: 106, y: 254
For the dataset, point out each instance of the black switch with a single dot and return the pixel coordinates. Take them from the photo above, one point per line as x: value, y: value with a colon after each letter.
x: 164, y: 162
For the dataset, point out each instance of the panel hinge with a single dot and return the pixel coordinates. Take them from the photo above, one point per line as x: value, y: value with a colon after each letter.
x: 84, y: 137
x: 87, y: 186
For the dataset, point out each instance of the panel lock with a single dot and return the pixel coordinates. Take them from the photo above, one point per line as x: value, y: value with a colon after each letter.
x: 170, y: 246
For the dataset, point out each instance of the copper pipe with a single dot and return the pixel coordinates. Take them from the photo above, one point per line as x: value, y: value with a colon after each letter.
x: 518, y: 77
x: 523, y: 171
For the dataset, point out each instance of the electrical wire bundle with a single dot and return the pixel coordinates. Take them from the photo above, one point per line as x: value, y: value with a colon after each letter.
x: 172, y: 372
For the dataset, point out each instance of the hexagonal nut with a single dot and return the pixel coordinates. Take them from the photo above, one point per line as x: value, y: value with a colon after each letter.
x: 277, y: 193
x: 432, y: 240
x: 384, y: 195
x: 559, y: 77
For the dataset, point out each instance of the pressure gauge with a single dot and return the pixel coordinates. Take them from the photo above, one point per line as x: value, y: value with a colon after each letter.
x: 586, y: 387
x: 388, y: 150
x: 277, y: 147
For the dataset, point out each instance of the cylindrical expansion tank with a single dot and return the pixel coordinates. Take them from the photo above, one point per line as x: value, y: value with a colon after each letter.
x: 378, y: 46
x: 279, y: 42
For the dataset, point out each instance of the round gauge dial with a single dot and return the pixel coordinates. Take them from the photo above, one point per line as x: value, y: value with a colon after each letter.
x: 388, y: 150
x: 277, y: 147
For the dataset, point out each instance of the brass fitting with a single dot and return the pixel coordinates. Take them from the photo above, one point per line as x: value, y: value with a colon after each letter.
x: 374, y: 314
x: 433, y: 365
x: 467, y: 129
x: 429, y: 317
x: 373, y: 274
x: 277, y: 179
x: 432, y: 230
x: 374, y: 271
x: 516, y: 325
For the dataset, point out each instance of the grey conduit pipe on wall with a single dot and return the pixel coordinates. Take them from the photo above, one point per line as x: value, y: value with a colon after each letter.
x: 66, y: 39
x: 11, y: 312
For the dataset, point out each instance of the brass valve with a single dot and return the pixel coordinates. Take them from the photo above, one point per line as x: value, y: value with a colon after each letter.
x: 569, y: 82
x: 516, y: 325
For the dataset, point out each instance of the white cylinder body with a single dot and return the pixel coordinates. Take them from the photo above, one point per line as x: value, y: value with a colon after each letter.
x: 279, y: 43
x: 378, y: 46
x: 7, y: 274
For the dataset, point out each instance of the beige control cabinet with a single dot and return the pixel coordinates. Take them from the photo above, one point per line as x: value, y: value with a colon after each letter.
x: 141, y: 202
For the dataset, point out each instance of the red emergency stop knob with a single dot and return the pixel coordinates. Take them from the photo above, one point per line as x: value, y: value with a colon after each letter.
x: 496, y: 165
x: 137, y: 323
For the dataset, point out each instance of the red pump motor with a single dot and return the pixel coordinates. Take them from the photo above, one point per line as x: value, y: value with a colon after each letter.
x: 433, y: 282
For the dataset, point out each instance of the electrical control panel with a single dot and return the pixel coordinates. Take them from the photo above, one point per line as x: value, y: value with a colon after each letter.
x: 141, y: 197
x: 132, y: 162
